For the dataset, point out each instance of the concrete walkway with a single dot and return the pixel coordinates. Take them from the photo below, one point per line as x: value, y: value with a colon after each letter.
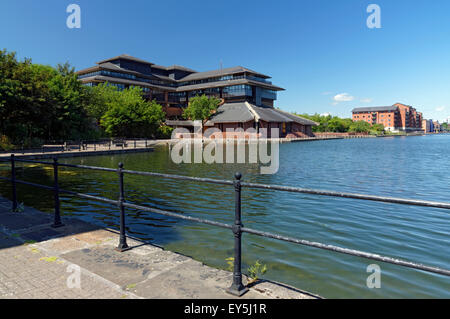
x: 90, y: 151
x: 79, y: 261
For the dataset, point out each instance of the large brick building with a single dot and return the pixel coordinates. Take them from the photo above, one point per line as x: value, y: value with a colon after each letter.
x: 427, y: 126
x: 437, y: 127
x: 247, y: 97
x: 398, y: 117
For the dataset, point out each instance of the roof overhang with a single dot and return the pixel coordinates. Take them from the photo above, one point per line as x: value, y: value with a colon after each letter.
x: 242, y: 112
x: 125, y: 57
x: 102, y: 78
x: 227, y: 83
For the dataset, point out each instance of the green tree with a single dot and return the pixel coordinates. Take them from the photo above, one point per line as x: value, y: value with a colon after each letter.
x: 360, y: 127
x: 338, y: 125
x: 328, y: 123
x: 19, y: 85
x: 320, y: 120
x: 98, y: 99
x: 129, y: 115
x: 377, y: 129
x: 39, y: 102
x: 67, y: 99
x: 201, y: 108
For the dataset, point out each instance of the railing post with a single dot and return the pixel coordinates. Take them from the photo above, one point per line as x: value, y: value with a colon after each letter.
x: 135, y: 143
x: 13, y: 182
x: 123, y: 239
x: 57, y: 222
x: 237, y: 288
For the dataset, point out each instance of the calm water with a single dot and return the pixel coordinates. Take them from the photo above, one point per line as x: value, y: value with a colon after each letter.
x: 412, y: 167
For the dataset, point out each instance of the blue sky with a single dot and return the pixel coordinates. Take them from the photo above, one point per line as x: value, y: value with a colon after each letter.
x: 321, y: 52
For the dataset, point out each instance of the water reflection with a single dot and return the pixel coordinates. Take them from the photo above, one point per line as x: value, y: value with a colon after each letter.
x: 403, y: 167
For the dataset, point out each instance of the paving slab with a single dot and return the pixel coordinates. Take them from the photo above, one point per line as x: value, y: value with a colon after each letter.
x: 191, y: 280
x: 36, y: 261
x: 7, y: 241
x: 124, y: 269
x: 41, y: 234
x: 28, y: 272
x: 20, y: 221
x: 76, y: 226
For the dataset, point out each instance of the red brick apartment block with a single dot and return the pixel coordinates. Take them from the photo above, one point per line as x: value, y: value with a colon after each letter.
x: 395, y: 118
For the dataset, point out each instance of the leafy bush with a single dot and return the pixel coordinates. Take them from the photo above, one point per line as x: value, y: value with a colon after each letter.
x: 38, y: 101
x: 131, y: 116
x: 360, y: 127
x: 328, y: 123
x: 377, y: 129
x: 201, y: 108
x: 5, y: 144
x: 256, y: 270
x: 230, y: 263
x: 164, y: 132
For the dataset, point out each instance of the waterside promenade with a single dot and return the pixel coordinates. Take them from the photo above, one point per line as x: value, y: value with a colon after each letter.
x: 41, y: 262
x: 92, y: 149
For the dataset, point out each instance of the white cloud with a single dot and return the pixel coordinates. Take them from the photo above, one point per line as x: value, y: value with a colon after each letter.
x: 366, y: 100
x: 343, y: 97
x: 440, y: 108
x: 325, y: 114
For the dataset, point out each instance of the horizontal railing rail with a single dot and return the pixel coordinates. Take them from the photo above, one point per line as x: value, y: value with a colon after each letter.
x: 392, y: 200
x: 63, y: 146
x: 237, y: 288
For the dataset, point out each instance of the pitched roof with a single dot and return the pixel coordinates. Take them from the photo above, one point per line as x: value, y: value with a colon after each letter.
x: 241, y: 112
x: 268, y: 114
x: 114, y: 67
x: 231, y: 113
x: 125, y: 57
x: 102, y: 78
x: 163, y: 77
x: 173, y: 67
x: 216, y: 84
x: 298, y: 119
x: 391, y: 108
x: 220, y: 72
x: 180, y: 67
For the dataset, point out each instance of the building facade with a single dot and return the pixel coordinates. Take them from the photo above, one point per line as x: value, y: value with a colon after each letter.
x: 241, y: 91
x: 173, y: 86
x: 428, y: 126
x: 258, y: 118
x: 437, y: 127
x: 395, y: 118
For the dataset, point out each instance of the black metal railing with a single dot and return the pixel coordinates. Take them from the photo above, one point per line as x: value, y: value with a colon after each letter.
x: 81, y: 145
x: 237, y: 288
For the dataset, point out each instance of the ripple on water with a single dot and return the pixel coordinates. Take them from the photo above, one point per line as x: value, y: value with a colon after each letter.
x: 403, y: 167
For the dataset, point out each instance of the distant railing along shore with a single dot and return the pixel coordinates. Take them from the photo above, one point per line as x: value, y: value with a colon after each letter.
x: 84, y: 145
